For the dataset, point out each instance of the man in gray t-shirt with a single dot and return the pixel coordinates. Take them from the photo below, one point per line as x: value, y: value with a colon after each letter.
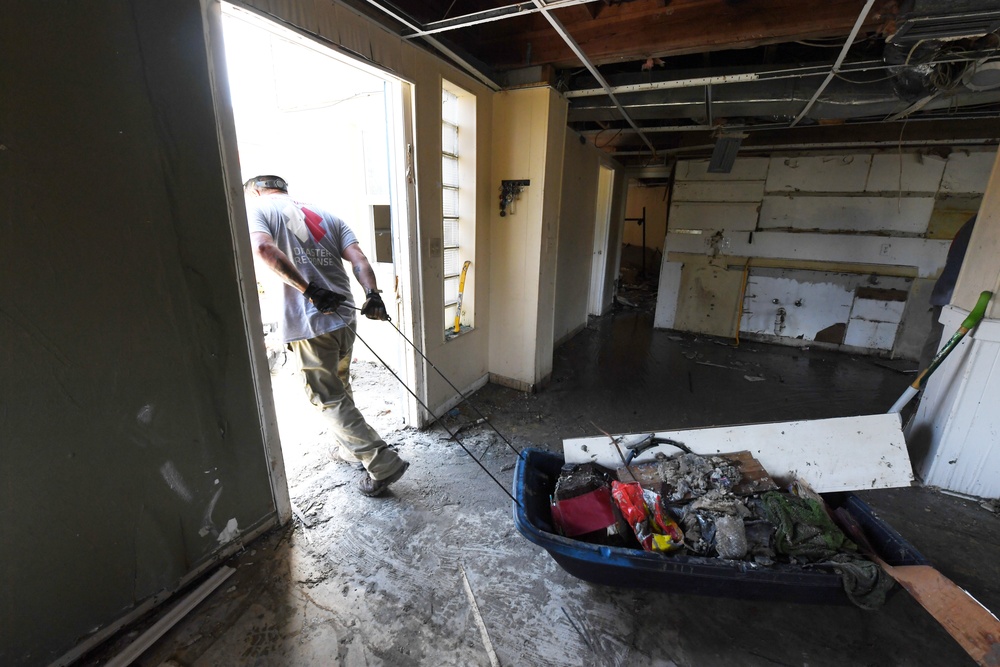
x: 306, y: 247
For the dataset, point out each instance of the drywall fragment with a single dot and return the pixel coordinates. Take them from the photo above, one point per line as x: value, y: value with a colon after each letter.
x: 230, y: 532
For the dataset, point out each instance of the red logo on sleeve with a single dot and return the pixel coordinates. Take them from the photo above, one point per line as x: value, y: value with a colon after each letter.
x: 315, y: 224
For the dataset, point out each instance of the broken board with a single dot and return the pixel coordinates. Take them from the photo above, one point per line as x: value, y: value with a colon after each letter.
x: 754, y: 479
x: 841, y: 454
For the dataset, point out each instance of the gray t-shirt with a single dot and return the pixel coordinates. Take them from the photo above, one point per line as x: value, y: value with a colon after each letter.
x: 315, y: 241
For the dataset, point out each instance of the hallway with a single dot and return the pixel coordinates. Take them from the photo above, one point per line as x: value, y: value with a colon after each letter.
x: 416, y: 577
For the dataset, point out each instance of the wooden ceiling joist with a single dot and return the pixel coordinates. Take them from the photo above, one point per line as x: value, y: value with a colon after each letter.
x: 646, y: 28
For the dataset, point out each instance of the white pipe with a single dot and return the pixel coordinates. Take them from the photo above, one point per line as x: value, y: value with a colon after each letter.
x: 575, y: 48
x: 836, y: 65
x: 471, y: 20
x: 438, y: 45
x: 903, y: 400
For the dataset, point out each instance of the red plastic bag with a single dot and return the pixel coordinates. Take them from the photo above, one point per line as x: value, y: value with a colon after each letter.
x: 653, y: 527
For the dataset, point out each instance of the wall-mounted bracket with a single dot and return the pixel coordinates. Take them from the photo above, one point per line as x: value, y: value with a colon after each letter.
x: 509, y: 191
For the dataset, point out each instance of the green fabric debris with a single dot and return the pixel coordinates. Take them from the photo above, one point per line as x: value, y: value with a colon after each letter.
x: 865, y: 583
x: 803, y: 528
x: 805, y: 532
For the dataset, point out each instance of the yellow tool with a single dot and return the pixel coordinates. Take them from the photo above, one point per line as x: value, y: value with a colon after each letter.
x: 461, y: 293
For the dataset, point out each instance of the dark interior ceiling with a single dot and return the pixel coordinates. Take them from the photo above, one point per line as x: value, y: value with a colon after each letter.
x: 648, y: 80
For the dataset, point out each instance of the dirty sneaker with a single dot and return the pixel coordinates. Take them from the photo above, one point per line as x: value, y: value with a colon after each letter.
x: 374, y: 487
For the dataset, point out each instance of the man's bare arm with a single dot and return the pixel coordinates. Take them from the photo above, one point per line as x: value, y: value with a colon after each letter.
x: 362, y: 268
x: 277, y: 261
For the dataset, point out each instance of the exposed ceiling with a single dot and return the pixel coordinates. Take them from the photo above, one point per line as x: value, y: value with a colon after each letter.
x: 651, y: 79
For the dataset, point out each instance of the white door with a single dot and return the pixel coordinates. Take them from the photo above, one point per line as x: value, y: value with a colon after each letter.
x: 599, y: 265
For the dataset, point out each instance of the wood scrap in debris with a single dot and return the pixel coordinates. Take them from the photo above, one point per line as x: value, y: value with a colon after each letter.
x: 754, y: 479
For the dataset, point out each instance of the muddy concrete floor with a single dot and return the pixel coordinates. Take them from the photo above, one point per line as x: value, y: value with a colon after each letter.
x: 434, y: 573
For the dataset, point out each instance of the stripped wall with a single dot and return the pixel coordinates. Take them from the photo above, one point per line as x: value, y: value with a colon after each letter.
x: 835, y: 249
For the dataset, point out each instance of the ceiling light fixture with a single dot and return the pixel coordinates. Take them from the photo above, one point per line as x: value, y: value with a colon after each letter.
x: 727, y: 145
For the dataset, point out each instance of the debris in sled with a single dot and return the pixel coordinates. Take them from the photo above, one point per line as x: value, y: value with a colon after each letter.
x: 839, y: 454
x: 730, y: 537
x: 701, y: 517
x: 582, y: 506
x: 645, y: 513
x: 692, y: 475
x: 705, y: 506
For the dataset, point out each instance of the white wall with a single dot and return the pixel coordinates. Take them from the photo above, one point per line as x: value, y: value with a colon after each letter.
x: 871, y: 214
x: 524, y: 242
x: 577, y: 220
x: 953, y: 437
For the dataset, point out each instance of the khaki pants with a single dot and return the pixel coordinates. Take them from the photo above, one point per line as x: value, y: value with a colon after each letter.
x: 325, y: 363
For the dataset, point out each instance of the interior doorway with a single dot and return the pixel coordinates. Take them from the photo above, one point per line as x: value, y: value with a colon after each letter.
x: 335, y: 129
x: 647, y: 203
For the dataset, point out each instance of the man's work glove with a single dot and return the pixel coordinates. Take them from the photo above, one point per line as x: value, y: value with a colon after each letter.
x: 374, y: 307
x: 324, y: 300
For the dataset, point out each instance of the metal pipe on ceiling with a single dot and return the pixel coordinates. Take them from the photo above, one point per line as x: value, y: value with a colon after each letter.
x: 468, y: 67
x: 747, y: 77
x: 906, y: 143
x: 490, y: 15
x: 836, y: 65
x: 575, y: 48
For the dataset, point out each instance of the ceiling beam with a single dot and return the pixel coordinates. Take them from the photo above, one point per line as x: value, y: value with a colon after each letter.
x: 646, y: 28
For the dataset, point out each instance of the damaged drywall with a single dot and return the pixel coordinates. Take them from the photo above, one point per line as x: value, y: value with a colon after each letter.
x: 130, y: 417
x: 885, y: 218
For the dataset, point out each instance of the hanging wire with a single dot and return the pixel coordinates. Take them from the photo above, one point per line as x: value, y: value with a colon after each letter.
x: 609, y: 140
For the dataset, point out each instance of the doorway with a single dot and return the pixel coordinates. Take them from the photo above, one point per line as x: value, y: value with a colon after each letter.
x: 647, y: 203
x: 335, y: 129
x: 600, y: 263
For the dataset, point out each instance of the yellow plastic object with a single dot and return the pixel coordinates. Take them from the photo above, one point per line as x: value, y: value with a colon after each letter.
x: 461, y: 293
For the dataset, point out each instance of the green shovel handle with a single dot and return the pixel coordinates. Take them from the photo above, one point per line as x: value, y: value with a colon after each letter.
x: 977, y: 313
x: 970, y: 322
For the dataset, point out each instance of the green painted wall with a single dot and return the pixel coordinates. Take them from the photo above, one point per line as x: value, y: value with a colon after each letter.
x: 130, y: 428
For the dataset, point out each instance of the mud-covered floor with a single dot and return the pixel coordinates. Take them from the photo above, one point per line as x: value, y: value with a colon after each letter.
x: 435, y: 573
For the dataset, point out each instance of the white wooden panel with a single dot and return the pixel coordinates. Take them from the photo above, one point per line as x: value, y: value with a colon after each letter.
x: 842, y: 454
x: 905, y: 172
x: 957, y: 418
x: 967, y: 172
x: 871, y: 335
x: 825, y: 299
x: 667, y: 294
x: 823, y: 173
x: 907, y: 214
x: 712, y: 191
x: 744, y: 169
x: 926, y: 255
x: 700, y: 215
x: 878, y: 311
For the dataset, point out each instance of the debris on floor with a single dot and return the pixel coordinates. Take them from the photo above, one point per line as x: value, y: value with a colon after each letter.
x: 720, y: 506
